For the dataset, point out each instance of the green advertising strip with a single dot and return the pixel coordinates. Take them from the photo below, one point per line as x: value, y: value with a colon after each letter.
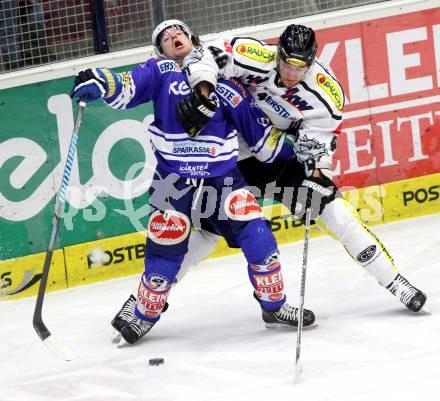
x: 36, y: 124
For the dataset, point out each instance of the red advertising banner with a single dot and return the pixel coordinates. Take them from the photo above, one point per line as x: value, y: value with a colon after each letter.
x: 390, y: 71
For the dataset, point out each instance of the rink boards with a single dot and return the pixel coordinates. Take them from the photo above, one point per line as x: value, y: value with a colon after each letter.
x: 124, y: 255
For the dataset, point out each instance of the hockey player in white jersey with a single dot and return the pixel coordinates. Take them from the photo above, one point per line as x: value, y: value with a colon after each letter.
x: 297, y: 92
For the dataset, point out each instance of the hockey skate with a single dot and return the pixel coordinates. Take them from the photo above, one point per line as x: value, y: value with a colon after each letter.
x: 410, y: 296
x: 125, y: 316
x: 126, y: 313
x: 135, y: 330
x: 287, y: 316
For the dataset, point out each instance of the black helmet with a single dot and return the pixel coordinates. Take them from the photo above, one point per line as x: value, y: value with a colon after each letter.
x: 297, y: 45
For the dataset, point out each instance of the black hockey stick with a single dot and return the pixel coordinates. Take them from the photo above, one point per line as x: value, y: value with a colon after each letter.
x: 298, y: 362
x: 41, y: 329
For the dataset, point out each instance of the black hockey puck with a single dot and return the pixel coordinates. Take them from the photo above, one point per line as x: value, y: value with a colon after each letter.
x: 155, y: 361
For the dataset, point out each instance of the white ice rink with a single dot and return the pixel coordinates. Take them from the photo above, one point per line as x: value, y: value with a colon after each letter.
x: 366, y: 346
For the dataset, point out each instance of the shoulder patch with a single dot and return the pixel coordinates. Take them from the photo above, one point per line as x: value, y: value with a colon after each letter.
x: 167, y: 65
x: 255, y: 52
x: 332, y: 89
x: 229, y: 95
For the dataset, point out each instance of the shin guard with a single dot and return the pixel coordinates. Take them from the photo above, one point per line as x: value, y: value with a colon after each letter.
x: 264, y: 266
x: 155, y: 285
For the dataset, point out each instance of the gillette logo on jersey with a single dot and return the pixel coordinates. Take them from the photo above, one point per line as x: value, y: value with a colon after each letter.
x: 241, y: 205
x: 168, y: 228
x: 255, y: 52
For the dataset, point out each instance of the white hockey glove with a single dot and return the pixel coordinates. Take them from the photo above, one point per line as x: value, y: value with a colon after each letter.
x: 324, y: 164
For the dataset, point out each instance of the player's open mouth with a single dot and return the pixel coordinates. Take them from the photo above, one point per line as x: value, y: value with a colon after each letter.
x: 178, y: 45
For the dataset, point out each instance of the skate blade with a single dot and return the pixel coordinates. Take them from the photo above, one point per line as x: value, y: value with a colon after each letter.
x: 116, y: 336
x: 122, y: 343
x: 425, y: 310
x: 288, y: 326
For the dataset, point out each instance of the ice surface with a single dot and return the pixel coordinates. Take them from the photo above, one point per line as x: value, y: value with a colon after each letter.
x: 215, y: 346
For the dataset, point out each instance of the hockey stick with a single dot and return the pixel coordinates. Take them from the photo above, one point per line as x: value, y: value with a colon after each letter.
x: 298, y: 362
x: 41, y: 329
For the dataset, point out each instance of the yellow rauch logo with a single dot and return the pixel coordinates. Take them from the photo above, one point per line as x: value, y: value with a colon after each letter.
x: 255, y: 52
x: 332, y: 89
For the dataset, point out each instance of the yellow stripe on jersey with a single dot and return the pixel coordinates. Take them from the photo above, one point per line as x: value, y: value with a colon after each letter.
x: 126, y: 77
x: 111, y: 82
x: 274, y: 137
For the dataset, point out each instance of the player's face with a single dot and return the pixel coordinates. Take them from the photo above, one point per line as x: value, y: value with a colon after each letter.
x: 175, y: 44
x: 291, y: 75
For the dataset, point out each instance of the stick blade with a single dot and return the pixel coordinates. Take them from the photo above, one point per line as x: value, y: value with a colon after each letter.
x: 298, y: 371
x: 58, y: 349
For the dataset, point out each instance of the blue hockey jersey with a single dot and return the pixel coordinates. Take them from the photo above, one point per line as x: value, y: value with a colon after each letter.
x: 214, y: 151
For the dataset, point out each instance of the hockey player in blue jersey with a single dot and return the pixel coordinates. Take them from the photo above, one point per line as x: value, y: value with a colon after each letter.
x: 197, y: 183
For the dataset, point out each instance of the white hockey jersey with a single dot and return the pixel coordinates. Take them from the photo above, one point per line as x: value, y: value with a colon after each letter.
x: 314, y: 105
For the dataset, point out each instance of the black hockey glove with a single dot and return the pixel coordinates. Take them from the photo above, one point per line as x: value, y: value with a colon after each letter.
x: 315, y: 193
x: 195, y: 111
